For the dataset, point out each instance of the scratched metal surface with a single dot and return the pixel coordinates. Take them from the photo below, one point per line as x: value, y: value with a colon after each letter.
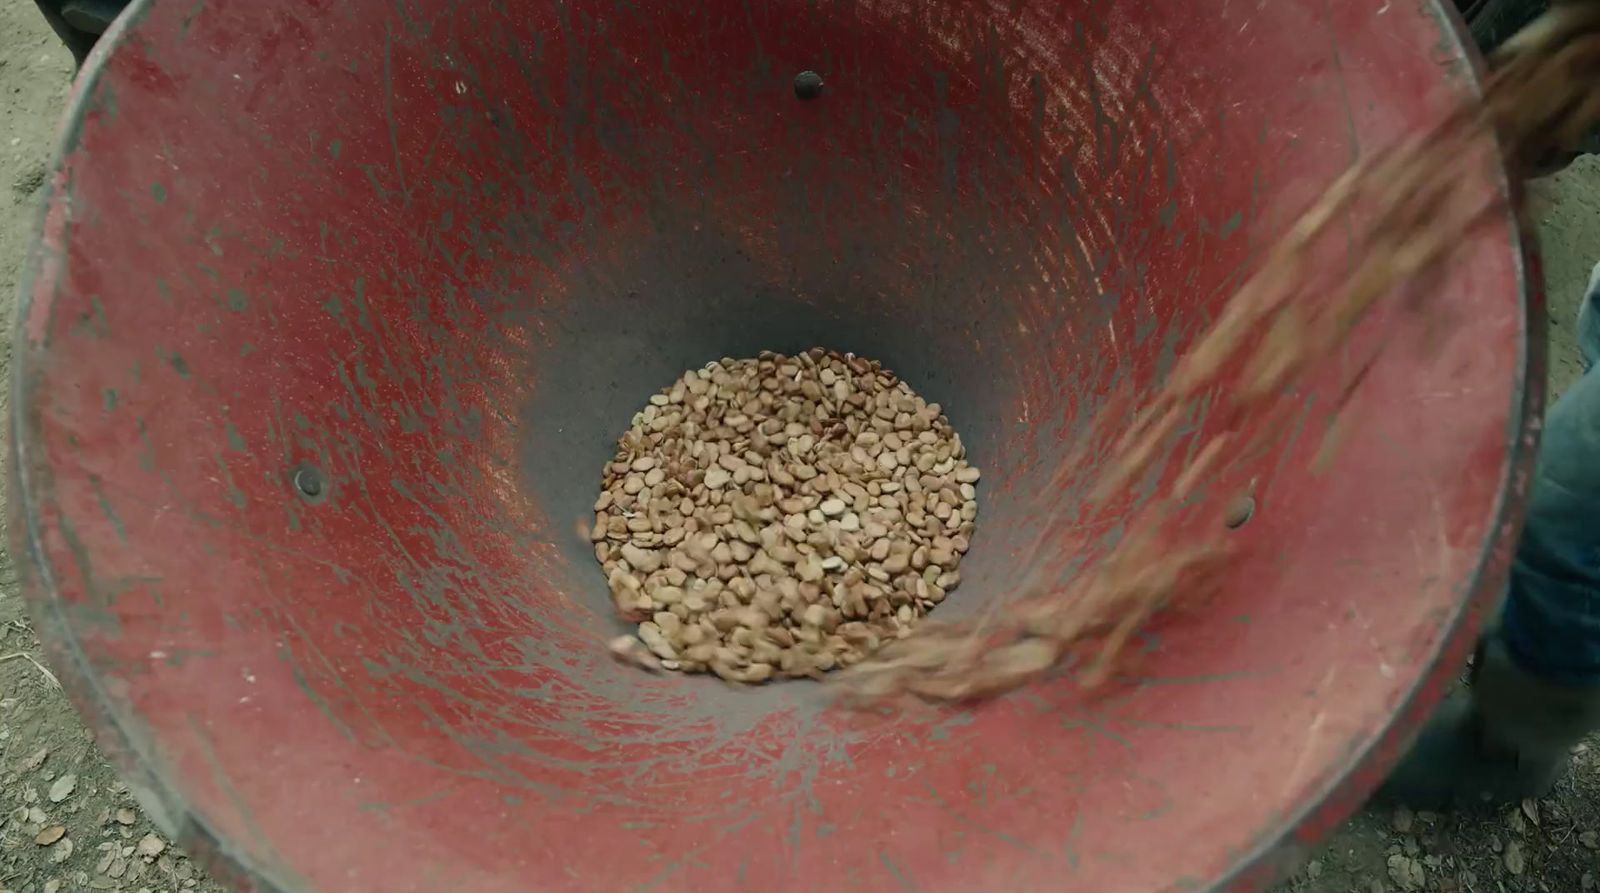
x: 443, y: 250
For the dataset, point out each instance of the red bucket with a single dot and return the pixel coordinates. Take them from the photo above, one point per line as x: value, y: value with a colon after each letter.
x: 340, y: 307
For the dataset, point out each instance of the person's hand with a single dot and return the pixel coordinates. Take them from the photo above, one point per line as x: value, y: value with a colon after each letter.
x: 1561, y: 32
x: 1548, y: 30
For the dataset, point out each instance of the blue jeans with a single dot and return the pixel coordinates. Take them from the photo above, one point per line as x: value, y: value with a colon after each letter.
x: 1551, y: 622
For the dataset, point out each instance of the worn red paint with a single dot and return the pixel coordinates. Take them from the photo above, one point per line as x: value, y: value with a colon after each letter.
x: 442, y: 251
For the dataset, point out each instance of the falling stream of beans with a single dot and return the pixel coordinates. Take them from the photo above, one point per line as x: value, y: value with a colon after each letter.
x: 852, y: 598
x: 1417, y: 202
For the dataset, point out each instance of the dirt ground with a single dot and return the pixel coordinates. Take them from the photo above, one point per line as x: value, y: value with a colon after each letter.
x: 68, y: 825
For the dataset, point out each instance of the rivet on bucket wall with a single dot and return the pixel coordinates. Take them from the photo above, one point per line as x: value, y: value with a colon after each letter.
x: 1239, y: 511
x: 310, y: 483
x: 808, y: 84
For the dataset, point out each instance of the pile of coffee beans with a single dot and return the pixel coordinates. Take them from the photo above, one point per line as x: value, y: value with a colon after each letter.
x: 782, y: 516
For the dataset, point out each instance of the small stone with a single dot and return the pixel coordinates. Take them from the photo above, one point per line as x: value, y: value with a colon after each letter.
x: 1406, y: 872
x: 1516, y: 822
x: 1516, y: 863
x: 1403, y: 820
x: 1587, y: 882
x: 63, y: 787
x: 1314, y: 869
x: 1590, y: 839
x: 62, y: 851
x: 126, y: 816
x: 36, y: 816
x: 52, y: 886
x: 36, y: 760
x: 50, y: 835
x: 150, y: 846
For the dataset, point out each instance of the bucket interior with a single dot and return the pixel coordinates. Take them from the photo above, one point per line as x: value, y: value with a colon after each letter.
x: 439, y: 253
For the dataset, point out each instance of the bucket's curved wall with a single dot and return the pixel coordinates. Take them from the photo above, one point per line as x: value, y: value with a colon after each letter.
x: 442, y: 251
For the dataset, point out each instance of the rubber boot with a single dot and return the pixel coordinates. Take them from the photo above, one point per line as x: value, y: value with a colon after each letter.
x: 1508, y: 736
